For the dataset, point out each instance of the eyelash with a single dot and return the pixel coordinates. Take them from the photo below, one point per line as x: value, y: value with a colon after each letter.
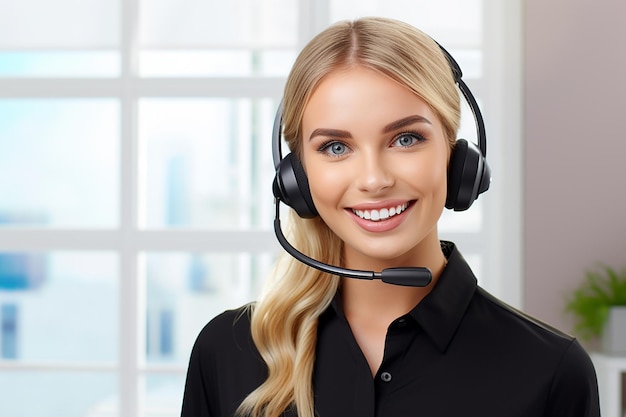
x: 325, y: 147
x: 419, y: 138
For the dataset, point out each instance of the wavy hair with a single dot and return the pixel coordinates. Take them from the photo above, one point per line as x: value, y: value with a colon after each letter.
x: 285, y: 318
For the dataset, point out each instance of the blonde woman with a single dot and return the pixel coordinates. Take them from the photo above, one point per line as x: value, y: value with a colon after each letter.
x: 371, y: 112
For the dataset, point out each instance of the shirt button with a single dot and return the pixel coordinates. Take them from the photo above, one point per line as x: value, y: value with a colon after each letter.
x: 385, y: 376
x: 401, y: 322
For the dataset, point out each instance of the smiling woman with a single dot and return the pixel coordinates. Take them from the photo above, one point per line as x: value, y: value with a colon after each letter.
x: 371, y: 112
x: 139, y: 130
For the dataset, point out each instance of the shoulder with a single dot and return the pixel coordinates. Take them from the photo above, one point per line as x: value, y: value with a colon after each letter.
x: 516, y: 324
x: 574, y: 388
x: 228, y: 330
x: 542, y: 357
x: 545, y: 347
x: 224, y: 366
x: 526, y: 341
x: 225, y: 351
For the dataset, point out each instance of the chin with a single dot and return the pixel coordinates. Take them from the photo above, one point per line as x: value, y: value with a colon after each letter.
x: 385, y: 254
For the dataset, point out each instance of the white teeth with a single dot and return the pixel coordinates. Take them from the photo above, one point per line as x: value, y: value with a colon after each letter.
x: 382, y: 214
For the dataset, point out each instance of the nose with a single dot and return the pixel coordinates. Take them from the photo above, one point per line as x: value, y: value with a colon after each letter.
x: 374, y: 173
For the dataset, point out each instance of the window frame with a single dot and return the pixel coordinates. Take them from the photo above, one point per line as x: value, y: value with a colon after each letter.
x: 500, y: 240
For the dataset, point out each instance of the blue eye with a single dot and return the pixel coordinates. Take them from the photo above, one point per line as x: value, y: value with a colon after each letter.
x: 334, y: 148
x: 406, y: 140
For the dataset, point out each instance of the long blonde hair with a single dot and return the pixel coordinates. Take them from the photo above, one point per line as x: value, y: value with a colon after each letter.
x: 284, y: 320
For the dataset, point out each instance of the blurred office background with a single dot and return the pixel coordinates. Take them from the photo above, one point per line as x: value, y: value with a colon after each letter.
x: 135, y: 179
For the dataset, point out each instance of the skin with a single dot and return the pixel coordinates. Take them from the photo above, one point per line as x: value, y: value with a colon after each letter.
x: 370, y: 143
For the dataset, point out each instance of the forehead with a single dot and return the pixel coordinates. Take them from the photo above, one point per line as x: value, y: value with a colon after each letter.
x: 359, y: 95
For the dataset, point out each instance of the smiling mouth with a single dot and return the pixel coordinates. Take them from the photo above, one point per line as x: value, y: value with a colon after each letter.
x: 382, y: 214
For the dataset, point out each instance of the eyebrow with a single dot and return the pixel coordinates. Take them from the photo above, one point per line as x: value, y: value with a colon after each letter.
x: 333, y: 133
x: 407, y: 121
x: 393, y: 126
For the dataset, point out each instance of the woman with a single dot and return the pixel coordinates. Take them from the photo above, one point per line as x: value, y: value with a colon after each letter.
x: 371, y: 111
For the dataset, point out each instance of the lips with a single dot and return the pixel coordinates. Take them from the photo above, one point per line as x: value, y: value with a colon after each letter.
x: 382, y: 213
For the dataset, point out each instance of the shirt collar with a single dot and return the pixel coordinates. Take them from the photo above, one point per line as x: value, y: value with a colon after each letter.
x: 441, y: 311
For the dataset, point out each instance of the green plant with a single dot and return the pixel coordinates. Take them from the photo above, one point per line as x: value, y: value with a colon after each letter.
x: 602, y: 289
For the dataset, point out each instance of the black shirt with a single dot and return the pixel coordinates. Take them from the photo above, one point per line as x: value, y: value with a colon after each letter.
x: 459, y: 353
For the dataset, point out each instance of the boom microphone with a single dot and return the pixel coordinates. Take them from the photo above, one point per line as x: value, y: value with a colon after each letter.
x: 406, y: 276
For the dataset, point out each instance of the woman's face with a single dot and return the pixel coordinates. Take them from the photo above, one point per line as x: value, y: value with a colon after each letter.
x: 376, y: 159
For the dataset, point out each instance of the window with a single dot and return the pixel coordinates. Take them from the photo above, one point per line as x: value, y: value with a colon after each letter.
x: 137, y: 161
x: 8, y: 331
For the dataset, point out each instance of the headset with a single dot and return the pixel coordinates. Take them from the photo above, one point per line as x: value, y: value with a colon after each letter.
x: 469, y: 175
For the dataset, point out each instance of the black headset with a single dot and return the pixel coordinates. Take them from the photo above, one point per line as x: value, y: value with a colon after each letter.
x: 469, y: 174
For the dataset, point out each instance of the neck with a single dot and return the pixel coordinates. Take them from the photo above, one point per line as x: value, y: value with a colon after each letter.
x: 382, y: 301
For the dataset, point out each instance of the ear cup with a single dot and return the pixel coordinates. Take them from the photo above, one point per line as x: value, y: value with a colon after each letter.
x: 468, y: 175
x: 291, y: 186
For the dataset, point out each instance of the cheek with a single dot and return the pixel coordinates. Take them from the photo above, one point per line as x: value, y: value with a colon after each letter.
x: 326, y: 188
x: 324, y: 183
x: 429, y: 175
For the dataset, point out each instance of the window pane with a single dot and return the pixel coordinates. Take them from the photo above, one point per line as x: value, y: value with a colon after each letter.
x: 59, y: 24
x: 59, y: 306
x: 185, y: 290
x: 451, y: 22
x: 59, y: 162
x: 207, y: 162
x: 217, y: 24
x: 470, y: 61
x: 234, y: 38
x: 163, y: 395
x: 59, y: 64
x: 223, y: 63
x: 36, y: 394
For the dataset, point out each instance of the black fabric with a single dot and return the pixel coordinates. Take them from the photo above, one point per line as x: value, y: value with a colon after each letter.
x: 460, y: 352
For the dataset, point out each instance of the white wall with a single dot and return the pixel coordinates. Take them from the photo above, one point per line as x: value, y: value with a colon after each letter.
x: 574, y: 147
